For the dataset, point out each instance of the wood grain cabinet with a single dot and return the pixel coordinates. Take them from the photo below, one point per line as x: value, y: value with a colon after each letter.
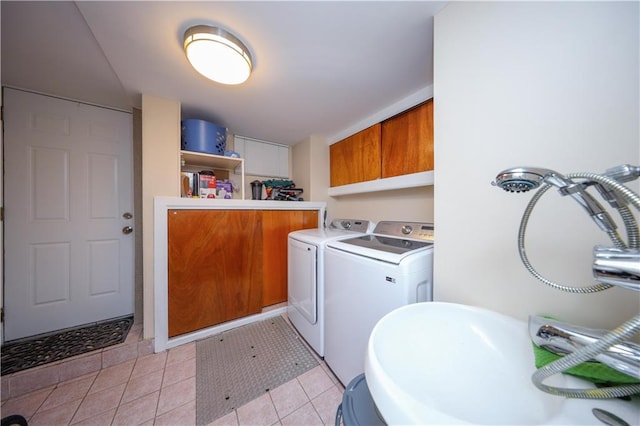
x: 407, y: 142
x: 227, y: 264
x: 215, y: 267
x: 400, y: 145
x: 276, y: 225
x: 356, y: 158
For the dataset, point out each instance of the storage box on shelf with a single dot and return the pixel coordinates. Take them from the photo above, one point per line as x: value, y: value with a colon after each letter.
x: 198, y: 160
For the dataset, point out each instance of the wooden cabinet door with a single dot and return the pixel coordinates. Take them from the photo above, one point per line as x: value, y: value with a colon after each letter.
x: 215, y: 267
x: 356, y: 158
x: 407, y: 142
x: 276, y: 225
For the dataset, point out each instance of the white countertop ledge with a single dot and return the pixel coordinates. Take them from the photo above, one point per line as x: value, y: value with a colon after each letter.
x: 217, y: 204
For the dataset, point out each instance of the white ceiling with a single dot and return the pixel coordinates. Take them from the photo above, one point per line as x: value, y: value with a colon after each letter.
x: 319, y: 66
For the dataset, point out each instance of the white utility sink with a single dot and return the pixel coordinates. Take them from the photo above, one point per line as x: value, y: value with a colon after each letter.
x: 445, y: 363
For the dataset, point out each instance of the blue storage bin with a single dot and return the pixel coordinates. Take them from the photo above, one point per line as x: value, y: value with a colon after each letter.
x: 203, y: 136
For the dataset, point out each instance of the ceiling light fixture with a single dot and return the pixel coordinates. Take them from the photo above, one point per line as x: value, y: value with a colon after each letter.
x: 217, y: 54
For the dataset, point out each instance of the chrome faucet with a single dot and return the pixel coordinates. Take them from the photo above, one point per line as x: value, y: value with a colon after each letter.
x: 562, y: 338
x: 616, y: 266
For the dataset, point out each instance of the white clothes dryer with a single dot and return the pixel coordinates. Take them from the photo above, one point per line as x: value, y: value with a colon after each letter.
x: 367, y: 277
x: 306, y: 275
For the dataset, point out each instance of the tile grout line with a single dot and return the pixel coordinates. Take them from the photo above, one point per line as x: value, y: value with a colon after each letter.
x: 43, y: 402
x: 125, y: 388
x: 273, y: 404
x: 75, y: 412
x: 164, y: 372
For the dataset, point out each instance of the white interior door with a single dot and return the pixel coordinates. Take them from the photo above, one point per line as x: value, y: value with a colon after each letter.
x: 67, y: 197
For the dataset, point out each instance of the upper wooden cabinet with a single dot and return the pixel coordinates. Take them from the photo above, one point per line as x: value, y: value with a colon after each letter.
x: 407, y: 142
x: 356, y: 158
x: 400, y: 145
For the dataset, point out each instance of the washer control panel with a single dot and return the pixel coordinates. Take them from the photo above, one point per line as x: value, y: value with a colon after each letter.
x: 356, y: 225
x: 414, y: 230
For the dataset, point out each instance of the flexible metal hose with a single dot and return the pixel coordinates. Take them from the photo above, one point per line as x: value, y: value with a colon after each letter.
x: 621, y: 333
x: 633, y: 238
x: 627, y: 217
x: 525, y: 260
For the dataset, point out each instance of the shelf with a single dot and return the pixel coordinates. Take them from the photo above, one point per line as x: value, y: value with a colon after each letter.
x: 199, y: 159
x: 413, y: 180
x: 210, y: 160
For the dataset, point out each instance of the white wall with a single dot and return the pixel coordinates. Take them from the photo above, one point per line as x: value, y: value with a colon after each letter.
x: 550, y: 84
x: 319, y: 169
x: 160, y: 171
x: 301, y: 166
x: 310, y: 167
x: 409, y: 205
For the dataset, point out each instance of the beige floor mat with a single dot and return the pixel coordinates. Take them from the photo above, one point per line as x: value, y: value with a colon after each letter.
x: 239, y: 365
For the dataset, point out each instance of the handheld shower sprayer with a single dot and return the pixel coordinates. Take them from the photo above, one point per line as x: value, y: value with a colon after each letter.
x: 522, y: 179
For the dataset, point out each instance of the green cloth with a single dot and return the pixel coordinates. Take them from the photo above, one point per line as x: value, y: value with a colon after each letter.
x: 595, y: 372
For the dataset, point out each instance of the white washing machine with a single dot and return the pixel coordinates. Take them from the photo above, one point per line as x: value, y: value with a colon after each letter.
x: 306, y: 275
x: 367, y: 277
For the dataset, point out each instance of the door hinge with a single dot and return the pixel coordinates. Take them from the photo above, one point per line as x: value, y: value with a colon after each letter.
x: 1, y: 314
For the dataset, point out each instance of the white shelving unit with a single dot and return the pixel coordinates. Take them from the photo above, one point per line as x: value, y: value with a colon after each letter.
x: 199, y: 159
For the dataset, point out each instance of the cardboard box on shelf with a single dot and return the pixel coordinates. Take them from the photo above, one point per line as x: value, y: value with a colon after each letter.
x: 207, y: 186
x: 225, y: 189
x: 207, y: 181
x: 208, y: 193
x: 189, y: 184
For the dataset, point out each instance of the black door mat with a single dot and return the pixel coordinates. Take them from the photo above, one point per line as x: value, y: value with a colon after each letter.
x: 43, y: 349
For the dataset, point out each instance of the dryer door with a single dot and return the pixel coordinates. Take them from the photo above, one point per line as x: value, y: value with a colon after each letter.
x: 303, y: 279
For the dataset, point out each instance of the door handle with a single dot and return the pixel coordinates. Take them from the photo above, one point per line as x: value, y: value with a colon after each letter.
x: 127, y: 230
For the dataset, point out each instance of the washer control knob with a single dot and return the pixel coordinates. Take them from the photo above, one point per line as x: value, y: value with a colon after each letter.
x: 406, y: 229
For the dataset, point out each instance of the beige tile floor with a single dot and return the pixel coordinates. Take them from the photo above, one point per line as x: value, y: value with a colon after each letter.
x: 160, y: 389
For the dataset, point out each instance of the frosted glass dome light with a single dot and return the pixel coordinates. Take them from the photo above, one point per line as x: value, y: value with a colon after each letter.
x: 217, y: 54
